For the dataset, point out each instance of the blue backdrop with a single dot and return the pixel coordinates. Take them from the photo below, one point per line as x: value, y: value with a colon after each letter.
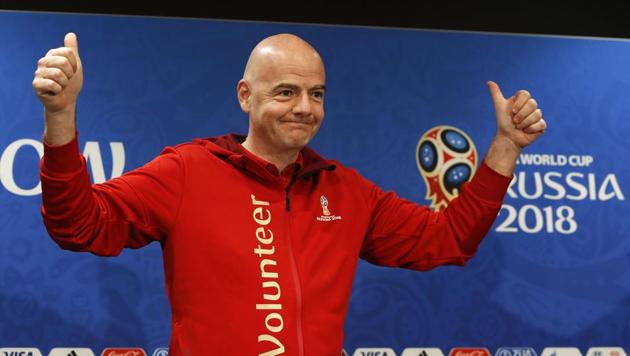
x: 554, y: 271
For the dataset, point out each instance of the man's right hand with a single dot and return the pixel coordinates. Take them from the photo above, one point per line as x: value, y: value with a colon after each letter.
x: 57, y: 83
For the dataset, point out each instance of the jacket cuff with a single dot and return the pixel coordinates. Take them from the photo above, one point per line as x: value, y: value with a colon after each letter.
x: 62, y: 159
x: 489, y: 184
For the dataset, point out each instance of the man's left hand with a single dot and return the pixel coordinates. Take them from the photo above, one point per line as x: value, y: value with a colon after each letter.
x: 518, y: 118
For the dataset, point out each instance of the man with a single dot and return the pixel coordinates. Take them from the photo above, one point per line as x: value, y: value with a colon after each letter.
x: 261, y: 235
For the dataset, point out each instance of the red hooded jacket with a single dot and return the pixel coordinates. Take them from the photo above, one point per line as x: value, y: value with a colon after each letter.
x: 256, y: 264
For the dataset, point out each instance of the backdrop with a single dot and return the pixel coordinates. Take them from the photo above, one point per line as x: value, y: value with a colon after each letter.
x: 554, y: 270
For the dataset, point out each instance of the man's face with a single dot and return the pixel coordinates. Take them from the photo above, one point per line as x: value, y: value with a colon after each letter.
x: 287, y: 101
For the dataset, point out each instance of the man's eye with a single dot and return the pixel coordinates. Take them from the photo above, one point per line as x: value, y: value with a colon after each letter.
x: 318, y: 94
x: 286, y: 92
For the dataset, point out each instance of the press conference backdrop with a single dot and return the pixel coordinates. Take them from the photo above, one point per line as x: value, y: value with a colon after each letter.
x: 553, y: 271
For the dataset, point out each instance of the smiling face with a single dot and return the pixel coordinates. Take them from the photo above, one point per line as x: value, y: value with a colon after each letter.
x: 282, y: 90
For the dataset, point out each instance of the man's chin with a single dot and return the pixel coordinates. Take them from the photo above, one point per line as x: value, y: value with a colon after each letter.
x: 297, y: 142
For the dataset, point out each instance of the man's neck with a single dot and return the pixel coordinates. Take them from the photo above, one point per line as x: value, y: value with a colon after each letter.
x: 280, y: 159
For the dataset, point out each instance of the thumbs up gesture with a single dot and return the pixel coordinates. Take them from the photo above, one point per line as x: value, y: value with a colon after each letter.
x: 59, y: 77
x: 518, y: 118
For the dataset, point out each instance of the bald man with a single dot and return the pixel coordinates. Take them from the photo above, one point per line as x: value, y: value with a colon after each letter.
x: 260, y: 234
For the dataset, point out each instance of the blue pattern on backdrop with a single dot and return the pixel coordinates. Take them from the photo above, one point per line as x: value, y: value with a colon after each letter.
x: 153, y: 82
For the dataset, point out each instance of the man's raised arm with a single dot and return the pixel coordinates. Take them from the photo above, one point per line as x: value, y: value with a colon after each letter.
x: 128, y: 211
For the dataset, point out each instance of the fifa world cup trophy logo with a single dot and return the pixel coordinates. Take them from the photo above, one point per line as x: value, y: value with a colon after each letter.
x: 324, y: 203
x: 446, y: 158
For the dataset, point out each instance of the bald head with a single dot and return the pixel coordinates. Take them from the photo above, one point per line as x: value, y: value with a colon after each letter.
x: 282, y: 91
x: 280, y: 50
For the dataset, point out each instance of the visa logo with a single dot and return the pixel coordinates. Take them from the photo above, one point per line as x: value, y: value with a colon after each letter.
x: 374, y: 352
x: 20, y: 351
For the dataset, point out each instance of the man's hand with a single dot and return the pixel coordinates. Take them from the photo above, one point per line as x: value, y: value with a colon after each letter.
x: 519, y: 123
x: 518, y: 118
x: 57, y: 83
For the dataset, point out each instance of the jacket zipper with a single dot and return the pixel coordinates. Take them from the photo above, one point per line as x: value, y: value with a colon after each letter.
x: 296, y: 277
x: 287, y: 200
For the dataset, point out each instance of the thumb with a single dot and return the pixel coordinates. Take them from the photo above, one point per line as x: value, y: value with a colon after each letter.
x: 70, y: 40
x: 495, y: 92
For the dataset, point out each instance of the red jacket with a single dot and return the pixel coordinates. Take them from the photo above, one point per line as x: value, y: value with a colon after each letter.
x: 255, y: 264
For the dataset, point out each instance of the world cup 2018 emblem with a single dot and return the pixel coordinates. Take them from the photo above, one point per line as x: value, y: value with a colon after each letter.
x: 446, y: 158
x: 324, y: 203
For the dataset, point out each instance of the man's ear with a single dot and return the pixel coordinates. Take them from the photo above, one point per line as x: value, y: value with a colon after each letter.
x: 244, y: 93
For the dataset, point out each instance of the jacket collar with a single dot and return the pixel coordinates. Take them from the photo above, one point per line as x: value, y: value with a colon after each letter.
x: 229, y: 148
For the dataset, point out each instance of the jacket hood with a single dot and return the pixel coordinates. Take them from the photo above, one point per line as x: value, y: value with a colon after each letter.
x: 228, y: 148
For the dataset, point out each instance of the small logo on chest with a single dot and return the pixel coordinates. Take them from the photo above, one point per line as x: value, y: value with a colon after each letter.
x: 326, y: 214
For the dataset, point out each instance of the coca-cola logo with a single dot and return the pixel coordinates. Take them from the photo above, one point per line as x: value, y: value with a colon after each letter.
x: 469, y: 352
x: 123, y: 352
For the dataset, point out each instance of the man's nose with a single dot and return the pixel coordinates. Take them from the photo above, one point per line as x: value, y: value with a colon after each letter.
x: 303, y: 104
